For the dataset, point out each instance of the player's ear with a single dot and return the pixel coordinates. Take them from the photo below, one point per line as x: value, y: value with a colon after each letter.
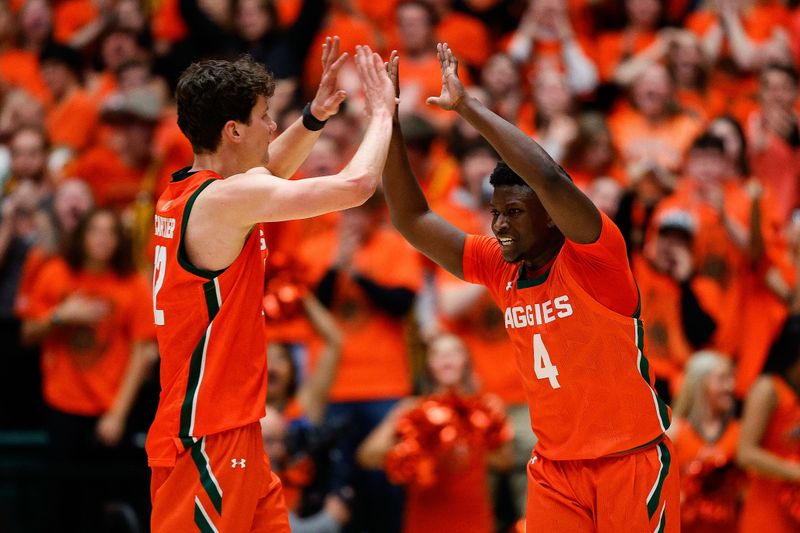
x: 231, y: 131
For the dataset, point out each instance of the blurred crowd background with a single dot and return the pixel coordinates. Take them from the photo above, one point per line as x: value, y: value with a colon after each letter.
x: 393, y: 400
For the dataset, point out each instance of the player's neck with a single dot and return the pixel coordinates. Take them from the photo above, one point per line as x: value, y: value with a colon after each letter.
x: 542, y: 260
x: 223, y: 163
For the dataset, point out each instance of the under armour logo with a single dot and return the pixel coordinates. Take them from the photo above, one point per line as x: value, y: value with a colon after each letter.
x: 239, y: 462
x: 509, y: 285
x: 533, y: 459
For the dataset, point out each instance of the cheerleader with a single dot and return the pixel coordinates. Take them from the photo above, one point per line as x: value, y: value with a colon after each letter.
x: 706, y: 436
x: 440, y: 446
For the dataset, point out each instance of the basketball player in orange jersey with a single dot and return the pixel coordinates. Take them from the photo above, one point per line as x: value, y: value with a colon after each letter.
x: 209, y: 469
x: 557, y: 268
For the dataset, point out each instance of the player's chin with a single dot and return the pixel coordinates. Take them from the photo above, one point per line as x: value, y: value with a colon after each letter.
x: 510, y: 255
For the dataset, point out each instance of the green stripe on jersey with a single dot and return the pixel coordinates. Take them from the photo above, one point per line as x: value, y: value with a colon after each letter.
x: 201, y: 519
x: 655, y: 494
x: 644, y: 370
x: 196, y: 365
x: 203, y: 466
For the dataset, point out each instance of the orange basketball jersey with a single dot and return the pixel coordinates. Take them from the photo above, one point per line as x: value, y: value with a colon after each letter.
x: 587, y: 382
x: 210, y: 328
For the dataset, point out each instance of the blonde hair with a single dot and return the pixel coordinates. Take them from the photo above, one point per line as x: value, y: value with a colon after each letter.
x: 691, y: 402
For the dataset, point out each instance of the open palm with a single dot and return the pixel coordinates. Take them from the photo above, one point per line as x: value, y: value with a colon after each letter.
x: 452, y: 89
x: 328, y: 98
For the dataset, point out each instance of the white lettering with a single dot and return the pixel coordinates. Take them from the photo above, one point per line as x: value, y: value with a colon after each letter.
x: 519, y: 317
x: 563, y: 307
x: 538, y: 313
x: 164, y: 227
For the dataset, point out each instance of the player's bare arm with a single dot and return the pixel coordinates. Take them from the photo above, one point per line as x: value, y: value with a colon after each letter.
x: 227, y: 209
x: 572, y: 212
x: 411, y: 215
x: 290, y: 148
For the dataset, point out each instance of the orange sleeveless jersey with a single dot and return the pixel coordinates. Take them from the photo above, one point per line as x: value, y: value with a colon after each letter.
x: 210, y: 328
x: 587, y: 382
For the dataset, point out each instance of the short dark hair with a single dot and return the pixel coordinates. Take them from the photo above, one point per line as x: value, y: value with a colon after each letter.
x: 75, y: 250
x: 212, y: 92
x: 708, y: 141
x: 788, y: 70
x: 503, y: 176
x: 63, y: 55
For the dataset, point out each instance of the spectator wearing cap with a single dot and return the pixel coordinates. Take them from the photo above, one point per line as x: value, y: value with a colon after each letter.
x: 72, y: 120
x: 115, y: 171
x: 678, y: 304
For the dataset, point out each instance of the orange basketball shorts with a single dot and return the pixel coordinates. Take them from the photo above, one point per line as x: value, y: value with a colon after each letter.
x: 634, y: 493
x: 223, y: 483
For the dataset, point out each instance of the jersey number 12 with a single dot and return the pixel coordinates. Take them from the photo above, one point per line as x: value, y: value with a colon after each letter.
x: 158, y: 281
x: 542, y: 366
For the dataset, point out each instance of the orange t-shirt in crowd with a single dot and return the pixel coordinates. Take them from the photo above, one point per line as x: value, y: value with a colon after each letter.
x: 351, y: 30
x: 70, y: 16
x: 467, y: 36
x: 171, y: 148
x: 167, y: 23
x: 781, y: 438
x: 763, y: 313
x: 210, y: 327
x: 777, y: 165
x: 35, y: 261
x: 704, y: 105
x: 20, y: 68
x: 72, y: 122
x: 422, y: 77
x: 614, y: 47
x: 481, y: 325
x: 666, y: 347
x: 579, y: 345
x: 113, y: 182
x: 665, y: 143
x: 374, y: 361
x: 759, y: 22
x: 83, y: 366
x: 694, y: 453
x: 382, y: 14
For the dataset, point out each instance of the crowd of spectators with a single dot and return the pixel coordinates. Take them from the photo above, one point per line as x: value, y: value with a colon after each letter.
x: 394, y: 403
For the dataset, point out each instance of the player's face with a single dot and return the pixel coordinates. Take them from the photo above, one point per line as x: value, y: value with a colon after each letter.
x: 258, y: 134
x: 719, y: 389
x: 447, y: 361
x: 520, y: 223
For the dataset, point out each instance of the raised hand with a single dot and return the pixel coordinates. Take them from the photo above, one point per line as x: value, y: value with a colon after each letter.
x: 328, y: 98
x: 452, y: 89
x: 379, y: 92
x: 393, y: 70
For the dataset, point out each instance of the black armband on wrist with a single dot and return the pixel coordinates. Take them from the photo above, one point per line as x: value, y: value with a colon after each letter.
x: 310, y: 122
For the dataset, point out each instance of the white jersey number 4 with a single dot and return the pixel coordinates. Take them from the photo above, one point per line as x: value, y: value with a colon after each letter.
x: 542, y: 366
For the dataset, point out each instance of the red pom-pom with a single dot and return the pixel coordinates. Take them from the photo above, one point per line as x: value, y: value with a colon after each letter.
x: 444, y: 431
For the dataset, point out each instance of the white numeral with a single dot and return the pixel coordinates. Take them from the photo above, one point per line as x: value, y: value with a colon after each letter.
x: 158, y: 281
x: 542, y: 366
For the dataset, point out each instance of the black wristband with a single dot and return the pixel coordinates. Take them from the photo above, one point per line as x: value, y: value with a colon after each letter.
x: 310, y: 122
